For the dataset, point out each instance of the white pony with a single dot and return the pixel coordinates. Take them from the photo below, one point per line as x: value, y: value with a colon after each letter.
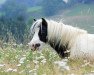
x: 67, y: 41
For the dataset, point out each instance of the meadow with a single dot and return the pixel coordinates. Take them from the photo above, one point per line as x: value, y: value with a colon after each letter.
x: 21, y: 60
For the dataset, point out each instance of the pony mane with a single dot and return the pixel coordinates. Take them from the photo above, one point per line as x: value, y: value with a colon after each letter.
x: 61, y: 33
x: 34, y: 26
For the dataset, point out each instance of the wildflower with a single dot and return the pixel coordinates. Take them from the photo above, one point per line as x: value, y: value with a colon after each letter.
x: 33, y: 53
x: 43, y: 61
x: 92, y: 71
x: 14, y: 44
x: 62, y: 64
x: 87, y: 63
x: 14, y: 70
x: 43, y: 74
x: 72, y: 74
x: 30, y: 71
x: 27, y: 60
x: 16, y: 56
x: 19, y: 65
x: 67, y: 67
x: 1, y: 65
x: 28, y: 65
x: 41, y: 57
x: 24, y: 55
x: 21, y: 71
x: 34, y: 69
x: 8, y: 70
x: 34, y: 73
x: 22, y: 60
x: 21, y: 44
x: 11, y: 70
x: 36, y: 66
x: 35, y: 61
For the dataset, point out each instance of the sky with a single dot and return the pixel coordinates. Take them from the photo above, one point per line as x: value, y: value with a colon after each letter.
x: 66, y: 1
x: 2, y: 1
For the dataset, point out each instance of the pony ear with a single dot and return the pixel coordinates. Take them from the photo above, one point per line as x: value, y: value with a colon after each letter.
x: 44, y: 21
x: 34, y: 19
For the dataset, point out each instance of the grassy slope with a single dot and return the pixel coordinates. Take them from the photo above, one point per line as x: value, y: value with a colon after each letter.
x: 19, y: 60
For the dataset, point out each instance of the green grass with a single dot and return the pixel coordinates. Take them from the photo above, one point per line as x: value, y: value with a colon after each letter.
x: 20, y: 60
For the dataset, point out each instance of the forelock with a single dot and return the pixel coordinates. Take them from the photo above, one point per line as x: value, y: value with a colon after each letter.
x: 36, y: 24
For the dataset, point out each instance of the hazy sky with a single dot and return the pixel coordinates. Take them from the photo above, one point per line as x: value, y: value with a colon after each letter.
x: 66, y: 1
x: 2, y: 1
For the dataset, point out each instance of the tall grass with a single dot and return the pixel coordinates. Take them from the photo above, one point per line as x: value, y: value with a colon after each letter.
x: 20, y: 60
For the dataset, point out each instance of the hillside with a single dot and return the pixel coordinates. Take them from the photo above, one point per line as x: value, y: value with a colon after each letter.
x: 80, y: 15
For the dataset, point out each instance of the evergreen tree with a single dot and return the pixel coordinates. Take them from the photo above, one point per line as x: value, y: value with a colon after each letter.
x: 13, y: 20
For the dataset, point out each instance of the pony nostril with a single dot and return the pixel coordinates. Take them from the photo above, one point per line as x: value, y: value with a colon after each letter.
x: 37, y: 45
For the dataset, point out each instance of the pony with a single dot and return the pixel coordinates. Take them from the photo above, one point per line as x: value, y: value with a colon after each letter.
x: 66, y: 40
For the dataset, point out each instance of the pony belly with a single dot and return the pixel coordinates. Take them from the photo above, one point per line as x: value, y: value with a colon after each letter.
x: 83, y: 47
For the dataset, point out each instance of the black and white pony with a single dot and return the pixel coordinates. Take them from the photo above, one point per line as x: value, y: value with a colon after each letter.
x: 67, y: 41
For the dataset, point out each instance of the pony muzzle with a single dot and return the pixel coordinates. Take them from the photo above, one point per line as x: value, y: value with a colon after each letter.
x: 35, y: 46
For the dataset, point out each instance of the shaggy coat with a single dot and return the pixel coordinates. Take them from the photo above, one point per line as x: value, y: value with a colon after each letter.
x: 68, y: 41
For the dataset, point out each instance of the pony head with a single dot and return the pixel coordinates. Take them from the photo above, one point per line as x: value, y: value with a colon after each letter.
x: 39, y: 31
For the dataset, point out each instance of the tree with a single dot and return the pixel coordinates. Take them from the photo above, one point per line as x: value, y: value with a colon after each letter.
x: 13, y: 20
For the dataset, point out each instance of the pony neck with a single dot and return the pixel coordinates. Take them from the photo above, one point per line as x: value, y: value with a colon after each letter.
x: 61, y: 33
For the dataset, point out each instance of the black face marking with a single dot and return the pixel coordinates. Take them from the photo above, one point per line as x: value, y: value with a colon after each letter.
x: 61, y: 50
x: 43, y: 31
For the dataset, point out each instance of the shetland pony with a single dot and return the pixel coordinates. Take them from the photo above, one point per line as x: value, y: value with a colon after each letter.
x: 66, y: 40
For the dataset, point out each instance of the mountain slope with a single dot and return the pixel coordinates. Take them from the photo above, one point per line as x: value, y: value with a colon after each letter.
x: 80, y: 15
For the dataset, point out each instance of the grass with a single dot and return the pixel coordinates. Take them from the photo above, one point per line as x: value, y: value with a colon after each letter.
x: 20, y: 60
